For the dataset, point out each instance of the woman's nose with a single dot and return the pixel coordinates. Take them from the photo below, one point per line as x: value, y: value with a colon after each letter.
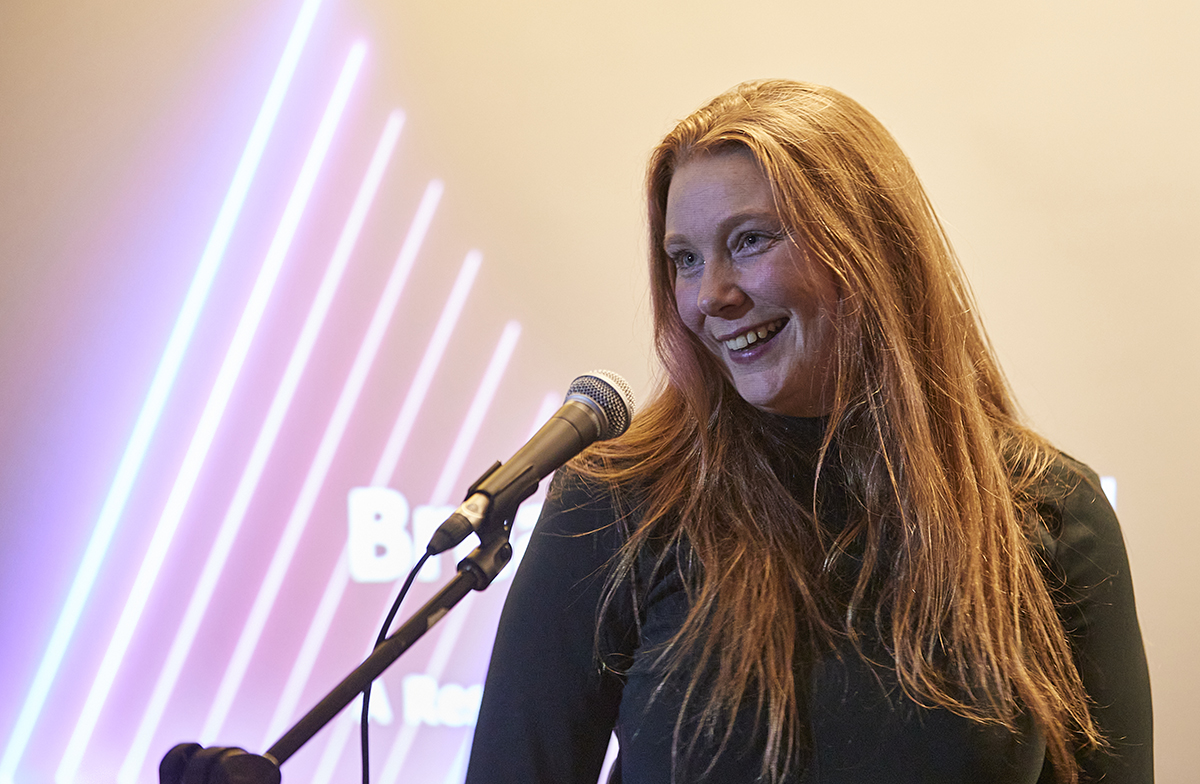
x: 720, y: 294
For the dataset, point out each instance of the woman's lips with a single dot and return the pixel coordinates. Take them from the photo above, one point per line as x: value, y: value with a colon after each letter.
x: 752, y: 336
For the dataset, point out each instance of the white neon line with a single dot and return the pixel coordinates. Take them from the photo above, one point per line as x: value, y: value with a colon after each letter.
x: 306, y: 659
x: 336, y: 586
x: 610, y: 757
x: 458, y: 768
x: 551, y: 402
x: 424, y: 377
x: 318, y: 470
x: 332, y: 752
x: 210, y: 419
x: 160, y: 388
x: 284, y: 394
x: 302, y: 670
x: 451, y: 628
x: 450, y: 631
x: 447, y: 483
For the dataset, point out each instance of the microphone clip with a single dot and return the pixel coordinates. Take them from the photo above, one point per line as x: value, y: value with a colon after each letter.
x: 479, y: 514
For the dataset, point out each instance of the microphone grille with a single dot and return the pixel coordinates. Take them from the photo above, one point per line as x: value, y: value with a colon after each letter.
x: 612, y: 394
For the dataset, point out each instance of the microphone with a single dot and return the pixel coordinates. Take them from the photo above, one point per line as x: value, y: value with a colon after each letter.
x: 599, y: 406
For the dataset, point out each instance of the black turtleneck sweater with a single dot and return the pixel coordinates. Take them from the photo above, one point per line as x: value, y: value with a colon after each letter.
x: 548, y: 709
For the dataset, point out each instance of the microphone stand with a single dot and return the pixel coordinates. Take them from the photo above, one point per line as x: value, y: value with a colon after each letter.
x: 190, y: 762
x: 593, y: 401
x: 475, y: 572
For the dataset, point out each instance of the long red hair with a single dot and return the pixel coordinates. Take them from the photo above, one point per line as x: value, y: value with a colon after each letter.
x: 929, y: 446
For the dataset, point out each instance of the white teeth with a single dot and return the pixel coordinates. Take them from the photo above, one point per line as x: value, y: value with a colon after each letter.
x: 754, y: 335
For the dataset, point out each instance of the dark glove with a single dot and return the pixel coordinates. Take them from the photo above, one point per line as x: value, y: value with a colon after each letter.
x: 191, y: 763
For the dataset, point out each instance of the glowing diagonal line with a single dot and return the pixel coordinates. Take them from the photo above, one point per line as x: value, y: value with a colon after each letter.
x: 315, y: 479
x: 551, y: 402
x: 160, y: 388
x: 447, y: 482
x: 610, y: 757
x: 337, y: 582
x: 416, y: 395
x: 458, y: 768
x: 210, y: 419
x: 302, y: 669
x: 306, y: 659
x: 445, y: 645
x: 451, y: 628
x: 223, y: 544
x: 332, y: 752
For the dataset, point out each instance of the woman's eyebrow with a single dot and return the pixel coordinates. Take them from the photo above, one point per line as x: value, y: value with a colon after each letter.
x: 725, y: 224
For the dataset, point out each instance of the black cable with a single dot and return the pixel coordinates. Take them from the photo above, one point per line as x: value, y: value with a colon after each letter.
x: 383, y: 633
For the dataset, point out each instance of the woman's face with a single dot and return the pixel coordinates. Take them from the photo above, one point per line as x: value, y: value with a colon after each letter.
x: 746, y: 289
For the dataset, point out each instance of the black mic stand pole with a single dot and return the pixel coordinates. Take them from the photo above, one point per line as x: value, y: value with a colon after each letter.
x: 475, y: 572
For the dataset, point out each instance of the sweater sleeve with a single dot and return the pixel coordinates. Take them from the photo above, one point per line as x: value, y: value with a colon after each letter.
x: 548, y: 710
x: 1095, y: 592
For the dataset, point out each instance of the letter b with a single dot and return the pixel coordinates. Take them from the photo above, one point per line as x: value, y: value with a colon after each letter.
x: 379, y: 548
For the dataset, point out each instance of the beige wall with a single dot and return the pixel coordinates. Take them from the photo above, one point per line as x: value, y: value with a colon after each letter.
x: 1058, y: 141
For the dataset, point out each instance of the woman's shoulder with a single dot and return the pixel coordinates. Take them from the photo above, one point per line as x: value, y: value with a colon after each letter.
x: 1087, y: 572
x: 587, y: 507
x: 574, y: 491
x: 1067, y: 488
x: 1068, y: 491
x: 1078, y: 529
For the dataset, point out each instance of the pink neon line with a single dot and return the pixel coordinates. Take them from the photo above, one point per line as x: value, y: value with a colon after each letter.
x: 458, y: 767
x: 451, y: 628
x: 610, y: 757
x: 318, y: 470
x: 343, y: 727
x: 332, y: 752
x: 156, y: 398
x: 338, y: 581
x: 306, y: 659
x: 447, y: 482
x: 336, y: 586
x: 551, y: 402
x: 223, y: 544
x: 210, y: 419
x: 441, y: 653
x: 412, y: 403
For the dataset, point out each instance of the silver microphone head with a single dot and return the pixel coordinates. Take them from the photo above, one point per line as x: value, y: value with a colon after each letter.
x: 608, y: 395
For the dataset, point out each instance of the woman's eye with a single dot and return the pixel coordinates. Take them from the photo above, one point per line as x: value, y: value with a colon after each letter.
x: 685, y: 260
x: 754, y: 241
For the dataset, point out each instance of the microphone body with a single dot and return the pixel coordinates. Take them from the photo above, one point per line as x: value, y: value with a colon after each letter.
x: 599, y: 406
x: 572, y: 429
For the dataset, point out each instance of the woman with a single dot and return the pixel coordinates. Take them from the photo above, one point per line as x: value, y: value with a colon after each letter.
x: 827, y: 550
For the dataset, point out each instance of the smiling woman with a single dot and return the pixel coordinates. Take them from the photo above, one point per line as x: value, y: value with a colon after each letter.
x: 828, y: 550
